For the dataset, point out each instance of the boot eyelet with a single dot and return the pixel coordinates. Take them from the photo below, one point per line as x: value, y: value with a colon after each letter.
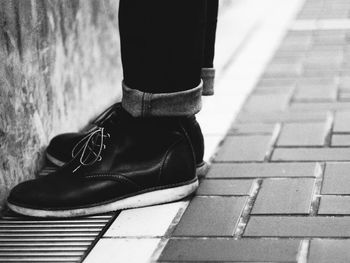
x: 99, y: 159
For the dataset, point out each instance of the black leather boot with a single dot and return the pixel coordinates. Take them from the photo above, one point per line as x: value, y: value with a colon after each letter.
x: 59, y: 151
x: 130, y: 162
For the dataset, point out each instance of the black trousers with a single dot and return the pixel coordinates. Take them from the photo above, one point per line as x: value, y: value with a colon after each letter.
x: 164, y: 44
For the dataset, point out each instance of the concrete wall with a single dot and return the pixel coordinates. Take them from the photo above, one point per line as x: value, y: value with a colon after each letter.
x: 59, y: 65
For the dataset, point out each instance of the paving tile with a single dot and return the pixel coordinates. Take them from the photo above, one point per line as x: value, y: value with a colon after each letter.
x: 201, y: 217
x: 300, y: 44
x: 320, y: 106
x: 274, y: 90
x: 256, y: 170
x: 262, y: 83
x: 319, y: 82
x: 344, y: 83
x: 311, y: 154
x: 334, y: 205
x: 224, y: 187
x: 128, y: 223
x: 290, y: 54
x: 275, y: 86
x: 229, y: 250
x: 341, y: 140
x: 252, y: 128
x: 119, y: 250
x: 244, y: 148
x: 297, y: 226
x: 344, y: 95
x: 284, y: 196
x: 342, y: 121
x: 326, y: 251
x: 273, y: 117
x: 282, y: 70
x: 336, y: 179
x: 322, y: 63
x: 315, y: 94
x: 330, y: 37
x: 267, y: 102
x: 303, y: 134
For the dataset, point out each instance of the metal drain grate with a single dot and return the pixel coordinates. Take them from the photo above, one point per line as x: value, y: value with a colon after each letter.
x: 25, y: 239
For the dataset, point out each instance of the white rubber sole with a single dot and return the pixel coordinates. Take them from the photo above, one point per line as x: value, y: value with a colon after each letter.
x: 201, y: 169
x: 145, y: 199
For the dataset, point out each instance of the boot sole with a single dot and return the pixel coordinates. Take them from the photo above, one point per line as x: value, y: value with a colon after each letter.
x: 201, y: 169
x: 145, y: 199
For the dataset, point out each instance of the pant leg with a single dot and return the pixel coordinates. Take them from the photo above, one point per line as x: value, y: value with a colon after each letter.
x: 208, y: 70
x: 161, y: 50
x: 161, y: 44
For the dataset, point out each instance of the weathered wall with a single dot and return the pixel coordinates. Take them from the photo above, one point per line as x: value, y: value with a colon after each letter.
x: 59, y: 65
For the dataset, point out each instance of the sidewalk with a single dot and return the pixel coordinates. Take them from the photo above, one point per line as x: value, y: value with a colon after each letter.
x: 279, y: 187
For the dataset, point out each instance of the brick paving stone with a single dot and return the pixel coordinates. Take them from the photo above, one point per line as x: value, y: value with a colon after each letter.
x: 319, y: 82
x: 315, y: 94
x: 284, y: 196
x: 326, y: 251
x: 344, y: 95
x: 342, y: 121
x: 275, y: 86
x: 273, y: 117
x: 262, y: 83
x: 244, y: 148
x: 252, y: 128
x: 334, y: 205
x: 286, y: 70
x: 224, y: 187
x: 283, y: 57
x: 303, y: 134
x: 282, y: 71
x: 341, y: 140
x: 229, y: 250
x: 256, y: 170
x: 299, y: 44
x: 336, y: 179
x: 267, y: 102
x: 289, y: 55
x: 274, y: 90
x: 330, y: 37
x: 344, y: 83
x: 297, y: 226
x: 311, y: 154
x: 326, y: 51
x: 323, y: 63
x: 210, y: 216
x: 314, y: 73
x: 320, y: 106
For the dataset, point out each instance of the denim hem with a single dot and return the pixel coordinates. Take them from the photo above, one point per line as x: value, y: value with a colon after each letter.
x: 143, y: 104
x: 208, y: 77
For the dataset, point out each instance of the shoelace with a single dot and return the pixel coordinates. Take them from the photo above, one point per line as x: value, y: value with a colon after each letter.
x: 90, y: 147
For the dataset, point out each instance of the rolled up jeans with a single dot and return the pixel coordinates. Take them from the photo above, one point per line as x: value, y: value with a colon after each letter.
x: 163, y: 50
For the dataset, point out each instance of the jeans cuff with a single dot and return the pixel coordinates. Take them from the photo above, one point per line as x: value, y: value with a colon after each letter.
x: 143, y: 104
x: 208, y: 77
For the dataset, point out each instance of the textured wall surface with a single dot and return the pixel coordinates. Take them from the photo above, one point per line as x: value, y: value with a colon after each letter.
x: 59, y: 65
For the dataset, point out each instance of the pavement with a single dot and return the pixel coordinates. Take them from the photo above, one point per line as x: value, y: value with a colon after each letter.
x: 278, y: 143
